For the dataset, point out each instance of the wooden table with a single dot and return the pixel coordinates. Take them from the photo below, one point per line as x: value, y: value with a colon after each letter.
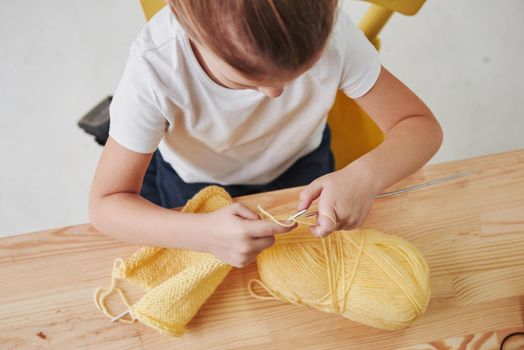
x: 471, y: 231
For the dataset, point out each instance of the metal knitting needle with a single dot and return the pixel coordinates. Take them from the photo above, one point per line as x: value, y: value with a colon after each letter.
x: 116, y: 318
x: 302, y: 212
x: 429, y: 183
x: 305, y: 213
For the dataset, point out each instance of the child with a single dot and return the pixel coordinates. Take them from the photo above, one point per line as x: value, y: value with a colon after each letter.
x: 236, y: 93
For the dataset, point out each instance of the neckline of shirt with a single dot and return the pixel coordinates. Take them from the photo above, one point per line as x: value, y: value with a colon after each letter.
x: 193, y: 62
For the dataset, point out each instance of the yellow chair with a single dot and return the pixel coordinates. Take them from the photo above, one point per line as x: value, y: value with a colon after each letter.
x: 353, y: 132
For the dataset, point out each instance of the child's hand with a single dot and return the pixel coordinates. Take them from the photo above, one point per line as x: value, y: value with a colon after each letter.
x: 345, y: 198
x: 236, y: 235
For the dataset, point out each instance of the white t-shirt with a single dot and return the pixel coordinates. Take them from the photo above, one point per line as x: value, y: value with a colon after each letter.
x: 209, y: 133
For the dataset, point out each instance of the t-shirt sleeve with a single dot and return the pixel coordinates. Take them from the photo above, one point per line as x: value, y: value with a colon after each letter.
x: 136, y: 121
x: 360, y: 60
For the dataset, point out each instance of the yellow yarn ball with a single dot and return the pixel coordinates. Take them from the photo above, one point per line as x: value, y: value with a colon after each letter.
x: 364, y: 275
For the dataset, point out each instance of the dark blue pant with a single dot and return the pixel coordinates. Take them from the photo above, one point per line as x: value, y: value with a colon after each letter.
x: 164, y: 187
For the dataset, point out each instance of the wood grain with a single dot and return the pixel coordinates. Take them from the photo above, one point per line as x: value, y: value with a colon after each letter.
x: 471, y: 231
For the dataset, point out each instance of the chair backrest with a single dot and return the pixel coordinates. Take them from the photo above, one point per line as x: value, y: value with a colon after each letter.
x: 379, y: 13
x: 405, y: 7
x: 151, y: 7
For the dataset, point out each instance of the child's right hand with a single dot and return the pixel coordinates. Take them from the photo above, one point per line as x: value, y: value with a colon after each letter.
x: 236, y: 234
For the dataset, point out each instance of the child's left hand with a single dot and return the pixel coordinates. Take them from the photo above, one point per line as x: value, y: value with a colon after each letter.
x: 345, y: 198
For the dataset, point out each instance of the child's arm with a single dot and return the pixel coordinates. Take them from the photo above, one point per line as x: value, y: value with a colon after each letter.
x: 234, y: 234
x: 412, y: 137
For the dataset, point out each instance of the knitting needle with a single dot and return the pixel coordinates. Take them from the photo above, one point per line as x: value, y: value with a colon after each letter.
x: 402, y: 190
x: 429, y: 183
x: 305, y: 212
x: 116, y: 318
x: 297, y: 214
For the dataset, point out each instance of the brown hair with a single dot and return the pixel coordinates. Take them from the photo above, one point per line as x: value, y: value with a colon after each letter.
x: 259, y: 37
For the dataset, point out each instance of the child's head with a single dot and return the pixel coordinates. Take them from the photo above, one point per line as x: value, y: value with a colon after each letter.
x: 257, y: 44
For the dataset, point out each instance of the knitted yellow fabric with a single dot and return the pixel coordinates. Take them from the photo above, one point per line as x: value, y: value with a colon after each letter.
x: 178, y: 281
x: 364, y: 275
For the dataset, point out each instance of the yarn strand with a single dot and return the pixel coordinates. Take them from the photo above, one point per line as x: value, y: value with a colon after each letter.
x: 350, y: 282
x: 266, y: 288
x: 393, y: 273
x: 100, y: 295
x: 279, y: 221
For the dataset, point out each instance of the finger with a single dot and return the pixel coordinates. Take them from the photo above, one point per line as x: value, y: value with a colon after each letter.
x: 309, y: 194
x: 244, y: 212
x: 327, y: 220
x: 325, y: 225
x: 244, y: 261
x: 262, y: 243
x: 264, y: 228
